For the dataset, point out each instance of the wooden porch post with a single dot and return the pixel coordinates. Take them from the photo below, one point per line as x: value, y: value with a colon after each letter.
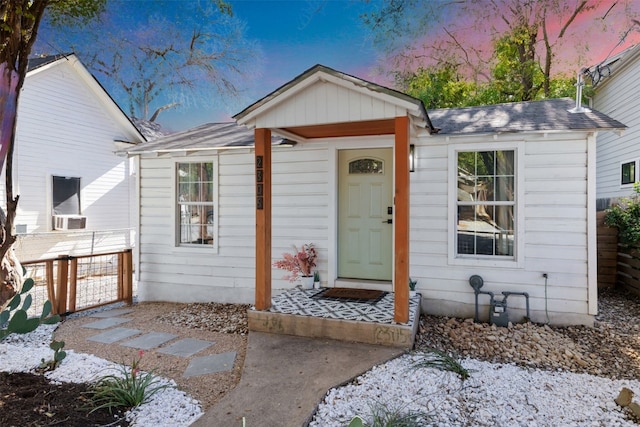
x: 263, y: 218
x: 401, y: 221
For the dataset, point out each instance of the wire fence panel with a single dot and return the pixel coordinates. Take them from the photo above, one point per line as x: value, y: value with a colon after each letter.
x: 79, y: 283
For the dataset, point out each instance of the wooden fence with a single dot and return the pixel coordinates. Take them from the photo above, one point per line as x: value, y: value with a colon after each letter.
x: 607, y: 238
x: 76, y: 283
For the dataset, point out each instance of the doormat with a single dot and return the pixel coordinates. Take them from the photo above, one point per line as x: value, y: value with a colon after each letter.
x: 367, y: 296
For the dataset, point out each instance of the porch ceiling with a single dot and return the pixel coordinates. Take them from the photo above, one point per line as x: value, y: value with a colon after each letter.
x: 333, y: 130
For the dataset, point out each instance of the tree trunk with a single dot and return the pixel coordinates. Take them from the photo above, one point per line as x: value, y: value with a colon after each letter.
x: 20, y: 20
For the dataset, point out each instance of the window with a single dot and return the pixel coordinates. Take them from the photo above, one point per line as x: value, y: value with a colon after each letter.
x: 66, y: 195
x: 366, y: 166
x: 628, y: 173
x: 485, y: 222
x: 195, y: 203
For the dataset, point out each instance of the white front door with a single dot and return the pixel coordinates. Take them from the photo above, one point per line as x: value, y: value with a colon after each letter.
x: 365, y: 203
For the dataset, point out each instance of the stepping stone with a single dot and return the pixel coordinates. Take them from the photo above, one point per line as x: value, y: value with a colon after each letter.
x: 186, y: 347
x: 210, y: 364
x: 113, y: 335
x: 112, y: 313
x: 149, y: 341
x: 106, y: 323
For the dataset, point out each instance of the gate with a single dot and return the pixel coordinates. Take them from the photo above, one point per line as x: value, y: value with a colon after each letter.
x: 76, y: 283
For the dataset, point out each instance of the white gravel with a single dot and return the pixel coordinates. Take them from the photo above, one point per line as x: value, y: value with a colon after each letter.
x: 495, y: 394
x: 169, y: 407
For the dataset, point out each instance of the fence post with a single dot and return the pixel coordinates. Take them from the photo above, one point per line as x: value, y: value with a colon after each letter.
x: 127, y: 276
x: 51, y: 290
x: 120, y: 274
x: 63, y: 274
x: 73, y: 283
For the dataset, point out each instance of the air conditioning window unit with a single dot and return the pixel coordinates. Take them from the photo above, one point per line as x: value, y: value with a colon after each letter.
x: 69, y: 222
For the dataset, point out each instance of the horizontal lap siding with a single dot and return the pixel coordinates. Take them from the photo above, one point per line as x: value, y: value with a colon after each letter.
x: 554, y: 229
x: 63, y: 129
x: 300, y: 199
x: 618, y: 96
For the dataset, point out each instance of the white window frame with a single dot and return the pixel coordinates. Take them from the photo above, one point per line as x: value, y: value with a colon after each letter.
x: 176, y: 217
x: 515, y: 261
x: 629, y: 185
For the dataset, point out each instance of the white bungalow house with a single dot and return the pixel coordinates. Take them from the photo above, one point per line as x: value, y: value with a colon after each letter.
x: 617, y: 94
x: 386, y: 191
x: 75, y: 191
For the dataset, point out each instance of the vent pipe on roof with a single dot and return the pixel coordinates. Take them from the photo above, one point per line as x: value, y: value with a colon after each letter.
x: 579, y: 108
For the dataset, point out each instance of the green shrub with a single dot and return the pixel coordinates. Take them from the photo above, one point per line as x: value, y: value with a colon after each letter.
x: 130, y: 389
x: 625, y: 216
x: 440, y: 360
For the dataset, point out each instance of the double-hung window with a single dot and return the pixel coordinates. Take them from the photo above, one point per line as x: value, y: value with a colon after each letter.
x: 195, y: 203
x: 486, y: 204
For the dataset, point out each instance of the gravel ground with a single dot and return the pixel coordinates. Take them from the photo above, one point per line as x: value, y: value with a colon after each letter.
x: 223, y: 324
x: 524, y: 375
x: 528, y: 375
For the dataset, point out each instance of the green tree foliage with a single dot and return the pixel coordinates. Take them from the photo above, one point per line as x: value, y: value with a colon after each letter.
x: 512, y: 49
x: 516, y: 77
x: 439, y: 87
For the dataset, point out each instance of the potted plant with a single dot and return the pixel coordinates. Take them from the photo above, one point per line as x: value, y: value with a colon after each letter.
x: 316, y: 279
x: 412, y: 286
x: 300, y: 264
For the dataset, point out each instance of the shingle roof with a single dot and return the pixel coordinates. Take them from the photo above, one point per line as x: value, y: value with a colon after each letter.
x: 40, y: 61
x: 204, y: 137
x: 547, y: 115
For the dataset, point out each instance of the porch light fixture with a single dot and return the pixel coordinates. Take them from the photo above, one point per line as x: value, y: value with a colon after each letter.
x: 412, y: 158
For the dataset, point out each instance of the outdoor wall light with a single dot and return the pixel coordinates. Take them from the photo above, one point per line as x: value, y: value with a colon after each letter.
x: 412, y: 158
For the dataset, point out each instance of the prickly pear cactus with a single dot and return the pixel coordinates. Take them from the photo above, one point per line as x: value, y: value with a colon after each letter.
x: 14, y: 319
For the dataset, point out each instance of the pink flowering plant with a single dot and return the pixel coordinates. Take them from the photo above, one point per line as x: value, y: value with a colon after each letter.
x: 299, y: 263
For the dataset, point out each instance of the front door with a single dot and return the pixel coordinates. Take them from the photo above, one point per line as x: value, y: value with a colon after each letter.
x: 365, y: 203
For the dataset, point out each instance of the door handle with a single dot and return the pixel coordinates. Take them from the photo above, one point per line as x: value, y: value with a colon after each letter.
x: 388, y: 221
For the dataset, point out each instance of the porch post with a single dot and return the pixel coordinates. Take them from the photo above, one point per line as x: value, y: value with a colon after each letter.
x: 401, y: 221
x: 263, y: 218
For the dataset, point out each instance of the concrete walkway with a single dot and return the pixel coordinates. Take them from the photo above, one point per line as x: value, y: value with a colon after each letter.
x: 285, y: 377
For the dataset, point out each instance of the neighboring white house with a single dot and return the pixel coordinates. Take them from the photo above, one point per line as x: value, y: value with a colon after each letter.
x: 75, y: 193
x: 617, y: 94
x: 505, y: 191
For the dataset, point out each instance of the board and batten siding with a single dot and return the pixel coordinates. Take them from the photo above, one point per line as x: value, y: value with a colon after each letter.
x: 618, y: 96
x: 553, y: 231
x: 299, y: 210
x: 323, y: 103
x: 63, y: 129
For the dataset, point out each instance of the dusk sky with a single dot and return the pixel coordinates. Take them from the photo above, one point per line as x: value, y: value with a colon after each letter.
x: 294, y: 35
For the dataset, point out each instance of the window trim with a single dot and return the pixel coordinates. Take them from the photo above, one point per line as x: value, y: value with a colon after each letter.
x: 515, y: 261
x: 635, y: 165
x: 175, y: 214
